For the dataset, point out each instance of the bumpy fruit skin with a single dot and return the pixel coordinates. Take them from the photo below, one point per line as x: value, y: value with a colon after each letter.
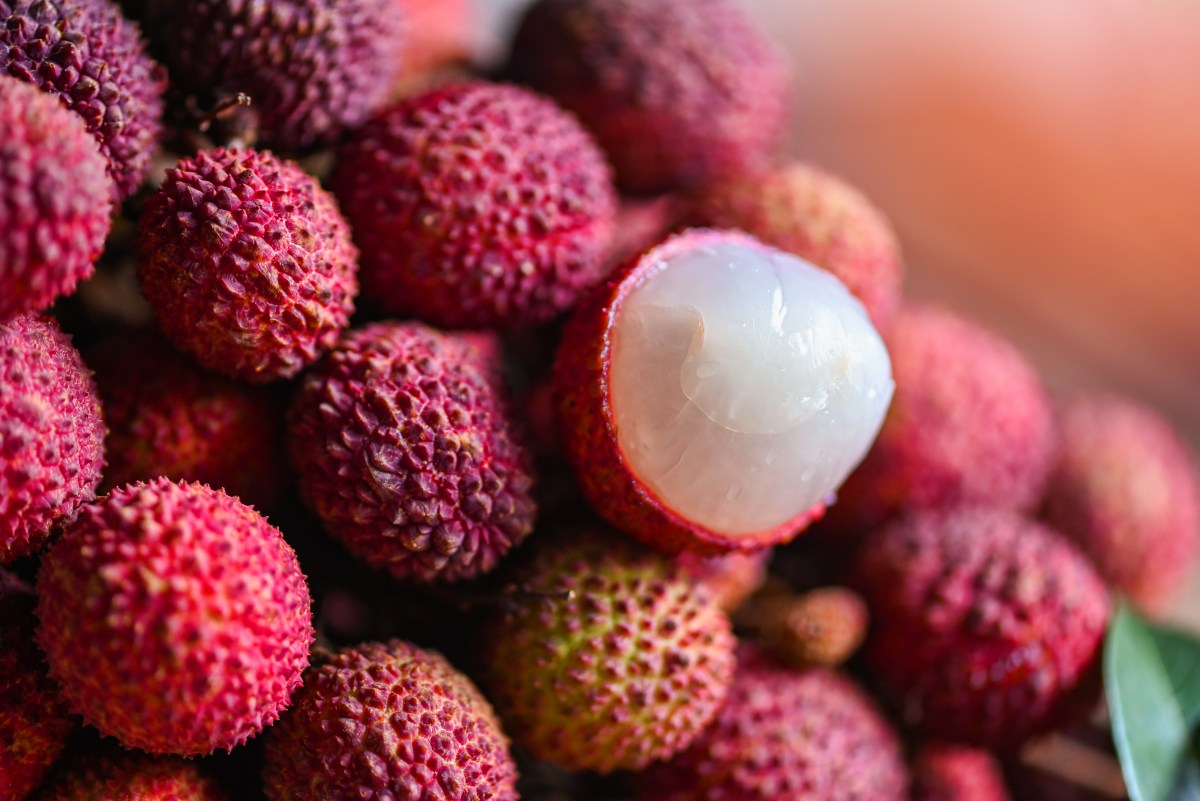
x: 970, y: 423
x: 476, y: 205
x: 167, y: 417
x: 588, y: 429
x: 51, y: 432
x: 55, y: 199
x: 1125, y: 490
x: 248, y: 263
x: 130, y: 776
x: 704, y: 97
x: 174, y: 617
x: 312, y: 68
x: 388, y: 720
x: 809, y: 734
x: 33, y: 718
x: 986, y: 626
x: 92, y: 59
x: 804, y: 210
x: 609, y: 656
x: 955, y: 773
x: 407, y: 450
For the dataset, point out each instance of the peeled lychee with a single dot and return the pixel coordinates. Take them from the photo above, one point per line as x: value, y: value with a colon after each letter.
x: 678, y: 92
x: 476, y: 205
x: 608, y: 656
x: 113, y: 775
x: 388, y: 720
x: 174, y: 617
x: 406, y: 448
x: 715, y: 392
x: 1125, y: 491
x: 248, y: 263
x: 51, y: 433
x: 957, y: 773
x: 986, y: 626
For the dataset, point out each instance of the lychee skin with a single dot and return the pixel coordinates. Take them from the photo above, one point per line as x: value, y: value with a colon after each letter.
x: 130, y: 776
x: 406, y: 448
x: 986, y: 626
x: 51, y: 433
x: 388, y: 720
x: 705, y: 97
x: 609, y: 656
x: 167, y: 417
x: 1125, y: 490
x: 33, y: 718
x: 174, y: 617
x: 477, y: 205
x: 944, y: 772
x: 804, y: 210
x: 55, y: 199
x: 731, y: 577
x: 248, y: 263
x: 782, y: 733
x: 85, y: 53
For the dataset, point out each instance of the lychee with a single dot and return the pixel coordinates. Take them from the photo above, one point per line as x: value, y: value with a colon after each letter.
x: 51, y: 433
x: 810, y: 734
x: 1125, y: 491
x: 820, y: 628
x: 678, y: 92
x: 715, y: 392
x: 118, y: 775
x: 608, y: 656
x: 406, y: 448
x: 731, y: 577
x: 944, y: 772
x: 476, y: 205
x: 986, y: 626
x: 174, y: 617
x: 441, y: 33
x: 248, y: 263
x: 388, y: 720
x: 93, y: 60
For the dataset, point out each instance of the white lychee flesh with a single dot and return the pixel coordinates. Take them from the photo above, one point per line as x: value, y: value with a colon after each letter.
x: 746, y: 385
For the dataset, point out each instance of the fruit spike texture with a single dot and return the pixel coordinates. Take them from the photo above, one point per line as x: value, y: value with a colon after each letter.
x: 167, y: 417
x: 1125, y: 491
x: 477, y: 205
x: 313, y: 68
x: 819, y: 217
x: 956, y: 773
x: 51, y: 433
x: 130, y: 776
x: 809, y: 734
x: 703, y: 97
x: 609, y: 657
x: 407, y: 450
x: 174, y: 617
x: 33, y: 719
x: 388, y: 720
x: 248, y: 263
x: 986, y: 626
x: 970, y: 423
x: 55, y: 199
x: 92, y: 59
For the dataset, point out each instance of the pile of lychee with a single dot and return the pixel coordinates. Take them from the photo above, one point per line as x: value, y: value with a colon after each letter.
x: 374, y: 428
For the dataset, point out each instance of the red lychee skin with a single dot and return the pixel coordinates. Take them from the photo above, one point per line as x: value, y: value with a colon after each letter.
x: 51, y: 433
x: 168, y: 417
x: 1125, y: 490
x: 944, y: 772
x: 802, y: 209
x: 93, y: 60
x: 406, y: 448
x: 388, y: 720
x: 174, y: 617
x: 643, y: 223
x: 703, y: 97
x: 55, y: 199
x: 33, y: 718
x: 443, y: 31
x: 732, y: 577
x: 810, y: 734
x: 986, y: 626
x: 588, y: 428
x: 248, y: 263
x: 970, y: 423
x: 130, y: 776
x: 477, y: 205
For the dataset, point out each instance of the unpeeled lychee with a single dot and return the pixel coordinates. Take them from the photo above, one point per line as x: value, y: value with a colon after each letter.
x: 130, y: 776
x: 956, y: 773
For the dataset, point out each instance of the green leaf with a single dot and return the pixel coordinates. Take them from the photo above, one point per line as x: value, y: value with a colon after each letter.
x: 1152, y: 679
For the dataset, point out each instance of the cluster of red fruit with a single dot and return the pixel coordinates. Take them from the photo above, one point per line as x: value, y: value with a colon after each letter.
x: 632, y: 635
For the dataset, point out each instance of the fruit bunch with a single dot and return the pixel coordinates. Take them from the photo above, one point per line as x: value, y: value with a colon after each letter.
x: 374, y: 427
